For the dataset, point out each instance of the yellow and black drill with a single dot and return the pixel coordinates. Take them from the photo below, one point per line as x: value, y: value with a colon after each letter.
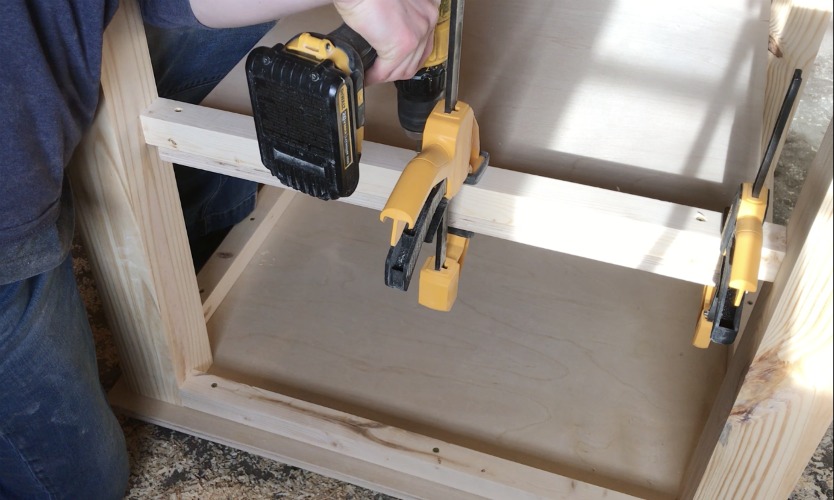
x: 309, y: 105
x: 417, y: 97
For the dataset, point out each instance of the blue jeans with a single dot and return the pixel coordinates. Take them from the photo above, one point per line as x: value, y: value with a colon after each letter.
x: 58, y: 436
x: 211, y: 203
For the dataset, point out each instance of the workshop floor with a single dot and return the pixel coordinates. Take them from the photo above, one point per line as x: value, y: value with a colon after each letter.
x: 169, y: 464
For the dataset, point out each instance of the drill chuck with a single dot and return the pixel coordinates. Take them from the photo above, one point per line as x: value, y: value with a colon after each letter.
x: 417, y: 97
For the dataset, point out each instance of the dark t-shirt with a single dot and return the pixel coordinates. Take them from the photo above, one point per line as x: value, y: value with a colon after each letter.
x: 49, y: 88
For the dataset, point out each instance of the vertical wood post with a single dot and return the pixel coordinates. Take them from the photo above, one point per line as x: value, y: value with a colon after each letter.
x: 776, y: 401
x: 796, y: 31
x: 132, y: 224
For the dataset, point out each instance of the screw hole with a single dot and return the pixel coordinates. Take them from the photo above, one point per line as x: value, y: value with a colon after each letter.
x: 214, y: 384
x: 178, y: 110
x: 251, y: 218
x: 202, y: 290
x: 436, y: 450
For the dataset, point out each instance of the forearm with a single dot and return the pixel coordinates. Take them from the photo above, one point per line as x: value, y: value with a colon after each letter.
x: 234, y: 13
x: 401, y: 31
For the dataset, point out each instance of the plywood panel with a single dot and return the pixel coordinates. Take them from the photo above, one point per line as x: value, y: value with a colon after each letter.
x: 551, y: 361
x: 661, y: 99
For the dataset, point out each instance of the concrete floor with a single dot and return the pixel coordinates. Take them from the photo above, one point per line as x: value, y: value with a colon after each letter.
x: 168, y: 464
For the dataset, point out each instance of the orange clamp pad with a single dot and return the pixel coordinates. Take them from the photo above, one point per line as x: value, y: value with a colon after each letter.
x: 439, y: 288
x: 703, y: 328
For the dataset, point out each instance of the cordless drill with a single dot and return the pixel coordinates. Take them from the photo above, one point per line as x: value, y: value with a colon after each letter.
x: 417, y: 97
x: 308, y: 102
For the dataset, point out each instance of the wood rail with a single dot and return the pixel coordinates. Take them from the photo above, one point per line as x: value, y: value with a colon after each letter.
x: 607, y: 226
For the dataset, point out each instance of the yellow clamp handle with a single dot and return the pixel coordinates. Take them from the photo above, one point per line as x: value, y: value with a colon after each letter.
x: 406, y: 201
x: 747, y: 254
x: 703, y: 328
x: 451, y: 149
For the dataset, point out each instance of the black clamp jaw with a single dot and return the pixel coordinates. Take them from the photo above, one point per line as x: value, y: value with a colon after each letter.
x: 402, y: 257
x: 720, y: 321
x: 431, y: 226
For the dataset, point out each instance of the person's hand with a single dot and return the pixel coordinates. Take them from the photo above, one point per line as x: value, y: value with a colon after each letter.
x: 401, y: 31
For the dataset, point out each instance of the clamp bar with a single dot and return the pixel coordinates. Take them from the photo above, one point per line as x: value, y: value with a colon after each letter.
x: 778, y: 130
x: 453, y: 60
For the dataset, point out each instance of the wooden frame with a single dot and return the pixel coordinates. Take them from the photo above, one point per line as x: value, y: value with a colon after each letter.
x: 772, y: 406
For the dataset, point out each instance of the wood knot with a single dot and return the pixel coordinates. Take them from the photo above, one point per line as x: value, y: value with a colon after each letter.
x: 773, y: 46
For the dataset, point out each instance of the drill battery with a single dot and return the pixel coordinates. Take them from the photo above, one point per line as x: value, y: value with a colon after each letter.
x: 308, y: 104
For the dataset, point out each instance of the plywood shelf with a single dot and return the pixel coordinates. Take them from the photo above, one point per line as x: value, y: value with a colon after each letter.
x: 552, y: 360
